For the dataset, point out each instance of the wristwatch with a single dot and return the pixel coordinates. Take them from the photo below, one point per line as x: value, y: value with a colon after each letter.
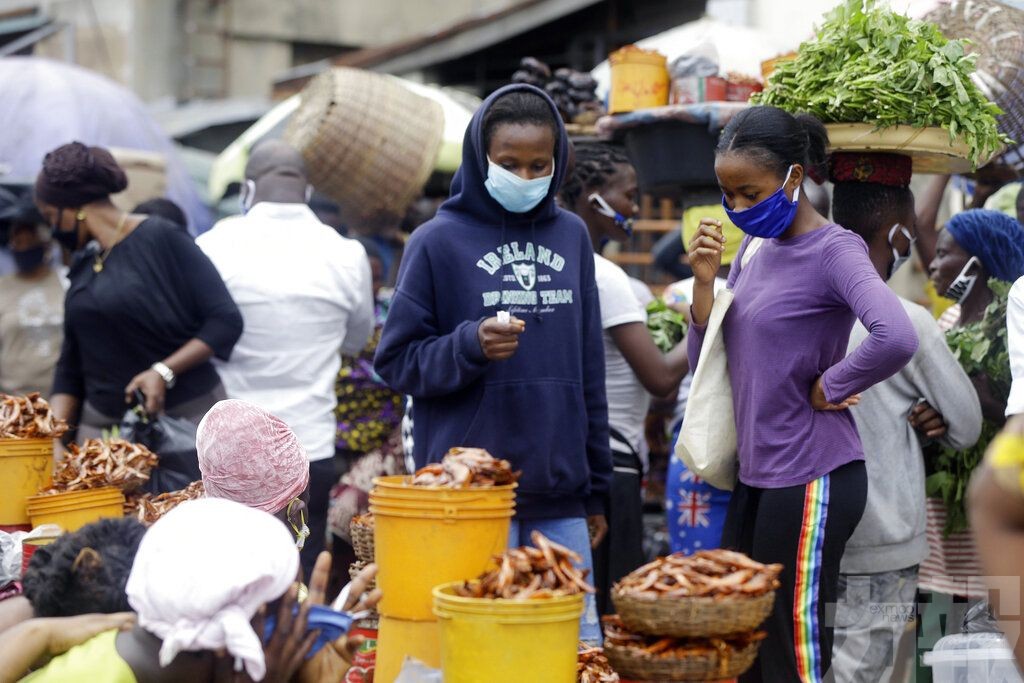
x: 165, y: 373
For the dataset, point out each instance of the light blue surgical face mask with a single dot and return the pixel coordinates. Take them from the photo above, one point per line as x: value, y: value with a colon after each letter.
x: 514, y: 193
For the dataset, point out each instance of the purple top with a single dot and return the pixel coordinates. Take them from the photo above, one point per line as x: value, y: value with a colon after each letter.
x: 790, y: 322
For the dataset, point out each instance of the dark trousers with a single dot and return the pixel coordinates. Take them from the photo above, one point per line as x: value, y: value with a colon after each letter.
x: 622, y: 550
x: 804, y: 528
x: 321, y: 479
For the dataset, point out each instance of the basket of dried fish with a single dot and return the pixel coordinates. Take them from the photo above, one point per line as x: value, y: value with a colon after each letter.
x: 657, y: 658
x: 710, y: 593
x: 27, y: 431
x: 517, y: 622
x: 592, y: 666
x: 361, y: 530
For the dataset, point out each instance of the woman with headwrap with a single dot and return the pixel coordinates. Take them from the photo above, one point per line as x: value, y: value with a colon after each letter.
x: 975, y: 246
x: 251, y: 457
x: 146, y: 309
x: 201, y: 574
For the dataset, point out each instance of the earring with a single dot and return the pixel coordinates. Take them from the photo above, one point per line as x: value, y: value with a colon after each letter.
x: 80, y: 216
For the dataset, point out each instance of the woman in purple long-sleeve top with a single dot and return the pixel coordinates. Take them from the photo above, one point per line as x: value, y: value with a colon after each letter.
x: 802, y: 482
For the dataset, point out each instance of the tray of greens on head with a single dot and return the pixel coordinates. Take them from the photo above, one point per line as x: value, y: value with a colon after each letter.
x: 882, y: 81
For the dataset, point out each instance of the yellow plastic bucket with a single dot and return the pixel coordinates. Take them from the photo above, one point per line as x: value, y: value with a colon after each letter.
x: 26, y: 467
x: 639, y: 80
x: 73, y: 510
x: 507, y: 641
x: 398, y: 639
x: 400, y: 488
x: 424, y: 537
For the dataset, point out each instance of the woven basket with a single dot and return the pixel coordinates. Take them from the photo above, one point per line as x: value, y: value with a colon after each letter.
x: 996, y: 32
x: 632, y: 665
x: 362, y: 541
x: 369, y: 143
x: 369, y: 622
x: 353, y: 572
x: 693, y: 617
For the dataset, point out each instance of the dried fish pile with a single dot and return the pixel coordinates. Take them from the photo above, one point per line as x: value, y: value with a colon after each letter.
x: 28, y: 417
x: 98, y: 463
x: 148, y: 508
x: 526, y: 573
x: 465, y: 467
x: 658, y: 647
x: 708, y: 573
x: 593, y: 667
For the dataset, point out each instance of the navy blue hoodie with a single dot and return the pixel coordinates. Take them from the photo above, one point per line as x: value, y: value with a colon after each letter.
x: 545, y: 408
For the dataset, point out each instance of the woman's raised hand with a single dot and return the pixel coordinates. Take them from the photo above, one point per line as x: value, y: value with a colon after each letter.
x: 705, y: 250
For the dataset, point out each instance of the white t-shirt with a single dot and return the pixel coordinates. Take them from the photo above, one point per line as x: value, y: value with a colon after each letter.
x: 305, y: 294
x: 1015, y: 342
x: 683, y: 290
x: 628, y: 401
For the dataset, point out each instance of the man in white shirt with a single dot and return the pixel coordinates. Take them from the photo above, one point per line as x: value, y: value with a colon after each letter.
x: 305, y: 295
x: 1015, y: 344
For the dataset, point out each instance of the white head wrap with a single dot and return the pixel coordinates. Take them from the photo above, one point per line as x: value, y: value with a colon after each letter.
x: 202, y: 572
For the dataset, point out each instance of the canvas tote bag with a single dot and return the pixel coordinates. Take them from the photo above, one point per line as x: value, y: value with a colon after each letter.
x: 707, y: 440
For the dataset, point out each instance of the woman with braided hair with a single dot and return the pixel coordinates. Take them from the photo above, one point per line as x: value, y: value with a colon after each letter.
x: 602, y: 190
x: 146, y: 309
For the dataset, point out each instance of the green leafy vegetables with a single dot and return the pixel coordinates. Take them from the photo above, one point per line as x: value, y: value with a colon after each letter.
x: 666, y: 326
x: 870, y: 65
x: 981, y: 349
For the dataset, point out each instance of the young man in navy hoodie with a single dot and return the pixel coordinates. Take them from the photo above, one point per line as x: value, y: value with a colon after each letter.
x: 495, y: 327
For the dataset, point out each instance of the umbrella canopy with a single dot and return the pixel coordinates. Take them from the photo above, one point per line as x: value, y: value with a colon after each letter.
x: 740, y: 49
x: 46, y: 104
x: 229, y: 167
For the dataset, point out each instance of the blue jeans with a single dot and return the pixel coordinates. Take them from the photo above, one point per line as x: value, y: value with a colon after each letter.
x: 572, y: 532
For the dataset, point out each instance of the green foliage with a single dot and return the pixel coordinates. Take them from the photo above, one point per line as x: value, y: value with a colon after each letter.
x: 666, y: 326
x: 868, y: 64
x: 981, y: 349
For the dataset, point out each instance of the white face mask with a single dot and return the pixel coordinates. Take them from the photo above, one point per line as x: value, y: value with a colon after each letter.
x: 246, y: 195
x: 961, y: 287
x: 898, y: 258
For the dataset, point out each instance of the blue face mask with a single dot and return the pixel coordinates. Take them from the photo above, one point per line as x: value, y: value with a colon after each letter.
x: 770, y: 217
x: 514, y: 193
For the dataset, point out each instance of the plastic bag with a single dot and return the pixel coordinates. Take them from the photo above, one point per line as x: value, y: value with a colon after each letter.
x: 700, y: 62
x: 10, y: 557
x: 415, y: 671
x: 173, y: 440
x: 979, y: 619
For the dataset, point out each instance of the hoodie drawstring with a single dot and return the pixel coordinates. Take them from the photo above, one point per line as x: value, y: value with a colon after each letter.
x: 533, y: 238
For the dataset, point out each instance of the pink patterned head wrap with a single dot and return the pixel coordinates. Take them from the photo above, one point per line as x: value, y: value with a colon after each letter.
x: 249, y: 456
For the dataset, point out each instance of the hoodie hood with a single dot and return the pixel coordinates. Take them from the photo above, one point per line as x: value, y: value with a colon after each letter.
x: 470, y: 199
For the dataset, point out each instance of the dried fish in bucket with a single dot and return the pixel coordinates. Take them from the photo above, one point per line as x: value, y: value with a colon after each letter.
x: 28, y: 417
x: 466, y: 467
x: 531, y: 573
x: 98, y: 463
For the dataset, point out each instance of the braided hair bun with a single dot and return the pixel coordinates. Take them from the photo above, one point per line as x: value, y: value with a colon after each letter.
x: 75, y: 174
